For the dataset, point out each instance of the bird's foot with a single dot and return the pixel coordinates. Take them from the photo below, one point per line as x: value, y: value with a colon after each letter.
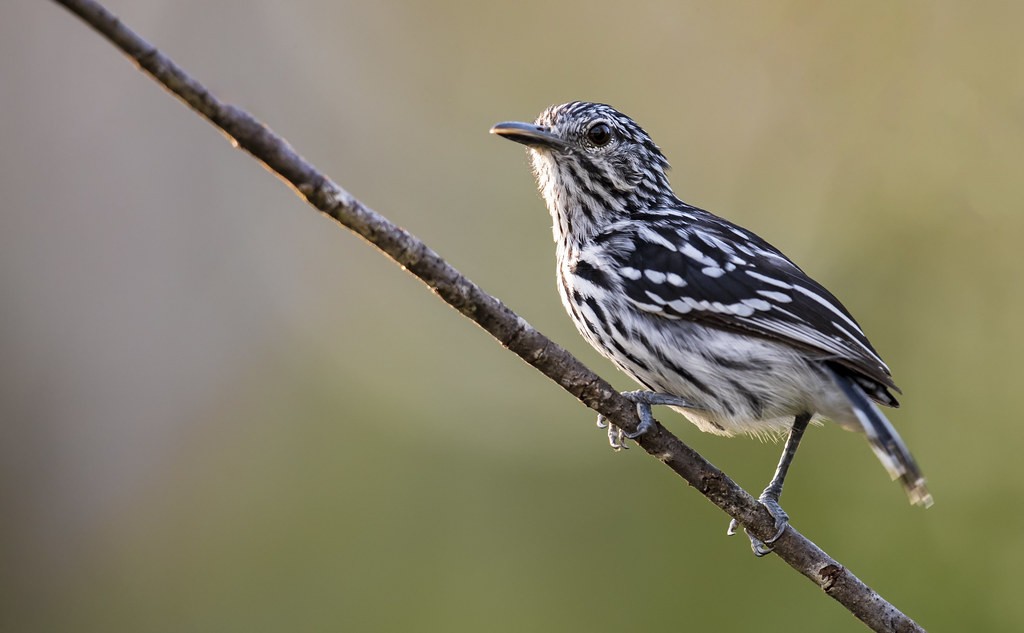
x: 763, y: 548
x: 643, y: 400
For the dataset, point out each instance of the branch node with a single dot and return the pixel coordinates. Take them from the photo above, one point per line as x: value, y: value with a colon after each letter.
x: 830, y: 575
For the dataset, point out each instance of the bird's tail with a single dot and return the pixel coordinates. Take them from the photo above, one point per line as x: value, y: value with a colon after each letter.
x: 886, y: 442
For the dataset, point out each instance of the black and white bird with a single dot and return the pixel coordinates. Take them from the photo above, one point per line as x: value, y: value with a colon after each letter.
x: 708, y: 317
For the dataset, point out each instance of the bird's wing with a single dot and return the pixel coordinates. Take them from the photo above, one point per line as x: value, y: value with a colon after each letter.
x: 689, y: 264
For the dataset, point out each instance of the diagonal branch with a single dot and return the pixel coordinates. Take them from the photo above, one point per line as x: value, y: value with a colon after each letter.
x: 491, y: 314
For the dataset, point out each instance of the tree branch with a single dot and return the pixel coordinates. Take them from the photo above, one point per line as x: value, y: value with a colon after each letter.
x: 491, y: 314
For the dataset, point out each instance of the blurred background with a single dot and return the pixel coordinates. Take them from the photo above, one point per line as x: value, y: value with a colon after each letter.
x: 219, y: 411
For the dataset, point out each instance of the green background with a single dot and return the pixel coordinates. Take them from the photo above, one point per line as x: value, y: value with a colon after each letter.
x: 221, y: 412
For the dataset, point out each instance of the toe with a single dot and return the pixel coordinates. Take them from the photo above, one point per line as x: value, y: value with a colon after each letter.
x: 760, y: 548
x: 777, y: 513
x: 643, y: 410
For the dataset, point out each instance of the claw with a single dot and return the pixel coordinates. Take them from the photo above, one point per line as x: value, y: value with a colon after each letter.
x: 733, y: 526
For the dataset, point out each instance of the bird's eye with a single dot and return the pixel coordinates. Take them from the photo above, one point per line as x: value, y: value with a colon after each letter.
x: 599, y: 134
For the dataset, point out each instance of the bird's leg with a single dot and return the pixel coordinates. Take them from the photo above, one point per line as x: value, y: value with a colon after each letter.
x: 770, y: 497
x: 643, y: 400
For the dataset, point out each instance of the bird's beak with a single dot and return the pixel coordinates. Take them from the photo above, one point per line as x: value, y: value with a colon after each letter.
x: 528, y: 134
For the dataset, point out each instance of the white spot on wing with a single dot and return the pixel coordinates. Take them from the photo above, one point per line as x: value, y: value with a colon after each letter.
x: 694, y: 254
x: 655, y: 298
x: 654, y: 276
x: 630, y: 273
x: 675, y: 280
x: 778, y: 297
x: 757, y: 304
x: 680, y: 306
x: 769, y: 280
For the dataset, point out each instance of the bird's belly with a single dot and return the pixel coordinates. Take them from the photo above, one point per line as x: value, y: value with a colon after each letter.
x: 738, y: 383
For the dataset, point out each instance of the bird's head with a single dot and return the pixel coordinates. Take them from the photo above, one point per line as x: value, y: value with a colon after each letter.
x: 594, y: 165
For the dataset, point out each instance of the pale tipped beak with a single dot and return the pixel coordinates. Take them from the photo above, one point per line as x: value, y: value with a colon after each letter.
x: 528, y: 134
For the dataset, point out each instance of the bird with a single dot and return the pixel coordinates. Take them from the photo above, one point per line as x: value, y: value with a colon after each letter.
x: 708, y: 317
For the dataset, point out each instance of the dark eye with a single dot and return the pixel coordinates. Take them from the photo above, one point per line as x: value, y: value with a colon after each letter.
x: 599, y: 134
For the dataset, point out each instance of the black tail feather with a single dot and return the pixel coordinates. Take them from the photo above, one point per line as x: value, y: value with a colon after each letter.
x: 885, y: 441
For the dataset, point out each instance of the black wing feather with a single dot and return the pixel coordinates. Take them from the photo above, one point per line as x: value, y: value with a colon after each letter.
x: 692, y: 265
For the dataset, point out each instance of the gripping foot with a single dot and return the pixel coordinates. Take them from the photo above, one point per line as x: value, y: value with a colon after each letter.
x: 643, y: 400
x: 759, y: 547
